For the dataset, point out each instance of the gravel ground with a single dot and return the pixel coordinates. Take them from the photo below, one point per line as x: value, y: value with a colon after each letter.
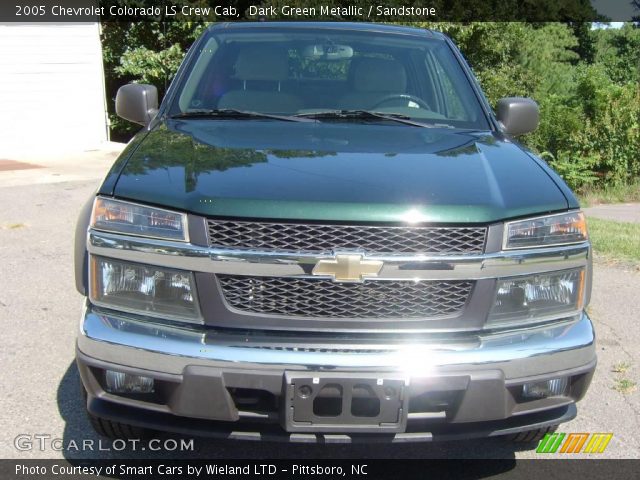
x: 39, y: 312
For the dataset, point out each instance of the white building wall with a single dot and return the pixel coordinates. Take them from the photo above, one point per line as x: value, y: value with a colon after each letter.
x: 52, y: 94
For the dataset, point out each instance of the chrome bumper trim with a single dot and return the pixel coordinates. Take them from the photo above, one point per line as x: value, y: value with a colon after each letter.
x: 126, y: 341
x: 186, y: 256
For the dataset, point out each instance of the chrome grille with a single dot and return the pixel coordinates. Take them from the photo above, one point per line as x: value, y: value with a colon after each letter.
x: 303, y: 237
x: 319, y: 298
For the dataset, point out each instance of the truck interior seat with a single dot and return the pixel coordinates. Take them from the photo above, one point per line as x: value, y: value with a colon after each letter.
x: 372, y: 79
x: 261, y: 72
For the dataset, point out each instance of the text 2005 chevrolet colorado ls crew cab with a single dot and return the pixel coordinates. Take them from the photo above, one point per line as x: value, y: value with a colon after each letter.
x: 323, y: 233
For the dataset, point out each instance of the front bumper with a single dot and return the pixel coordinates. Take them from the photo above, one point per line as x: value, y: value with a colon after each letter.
x: 232, y: 384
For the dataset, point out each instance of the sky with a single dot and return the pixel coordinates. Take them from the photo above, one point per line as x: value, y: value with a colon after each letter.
x: 611, y: 25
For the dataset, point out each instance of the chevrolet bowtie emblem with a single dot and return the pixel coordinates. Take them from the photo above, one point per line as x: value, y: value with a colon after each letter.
x: 348, y: 268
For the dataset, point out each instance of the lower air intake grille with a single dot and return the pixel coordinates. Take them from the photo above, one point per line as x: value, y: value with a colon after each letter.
x: 326, y: 299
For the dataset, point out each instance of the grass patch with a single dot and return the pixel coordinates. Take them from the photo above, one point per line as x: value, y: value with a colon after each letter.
x: 624, y: 385
x: 620, y: 193
x: 618, y: 240
x: 621, y: 367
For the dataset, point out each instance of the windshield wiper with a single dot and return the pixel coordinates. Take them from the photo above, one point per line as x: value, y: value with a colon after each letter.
x: 368, y: 115
x: 236, y: 114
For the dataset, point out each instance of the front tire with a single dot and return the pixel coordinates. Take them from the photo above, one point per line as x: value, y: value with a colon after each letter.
x: 114, y: 430
x: 117, y: 430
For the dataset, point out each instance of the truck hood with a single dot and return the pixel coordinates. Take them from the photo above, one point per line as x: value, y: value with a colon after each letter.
x: 340, y: 171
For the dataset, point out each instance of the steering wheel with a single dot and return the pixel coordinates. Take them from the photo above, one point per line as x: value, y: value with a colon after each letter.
x: 403, y: 96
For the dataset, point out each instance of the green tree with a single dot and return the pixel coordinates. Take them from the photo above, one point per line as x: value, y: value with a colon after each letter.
x: 618, y: 50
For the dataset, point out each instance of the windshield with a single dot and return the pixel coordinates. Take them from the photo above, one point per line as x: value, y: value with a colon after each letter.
x: 307, y: 71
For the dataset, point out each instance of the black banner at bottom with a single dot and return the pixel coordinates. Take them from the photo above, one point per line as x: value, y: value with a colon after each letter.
x: 328, y: 469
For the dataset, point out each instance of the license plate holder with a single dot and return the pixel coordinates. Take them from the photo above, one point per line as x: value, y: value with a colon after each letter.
x: 339, y: 402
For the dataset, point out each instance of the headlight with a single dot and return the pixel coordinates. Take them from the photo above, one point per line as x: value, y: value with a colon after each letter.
x: 537, y: 298
x: 144, y: 289
x: 130, y: 218
x: 561, y: 229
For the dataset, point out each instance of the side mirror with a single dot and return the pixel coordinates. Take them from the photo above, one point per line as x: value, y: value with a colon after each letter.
x: 518, y: 115
x: 137, y: 103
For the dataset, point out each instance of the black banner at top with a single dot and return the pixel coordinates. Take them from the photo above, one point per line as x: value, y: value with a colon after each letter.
x: 310, y: 10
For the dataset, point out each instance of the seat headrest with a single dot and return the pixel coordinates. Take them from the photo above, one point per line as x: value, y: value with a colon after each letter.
x: 379, y: 75
x: 262, y: 63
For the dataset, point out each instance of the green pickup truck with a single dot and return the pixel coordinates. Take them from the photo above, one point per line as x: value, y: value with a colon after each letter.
x: 324, y: 234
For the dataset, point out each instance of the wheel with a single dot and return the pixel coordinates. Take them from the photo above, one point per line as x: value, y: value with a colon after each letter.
x: 531, y: 436
x: 114, y: 430
x: 117, y: 430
